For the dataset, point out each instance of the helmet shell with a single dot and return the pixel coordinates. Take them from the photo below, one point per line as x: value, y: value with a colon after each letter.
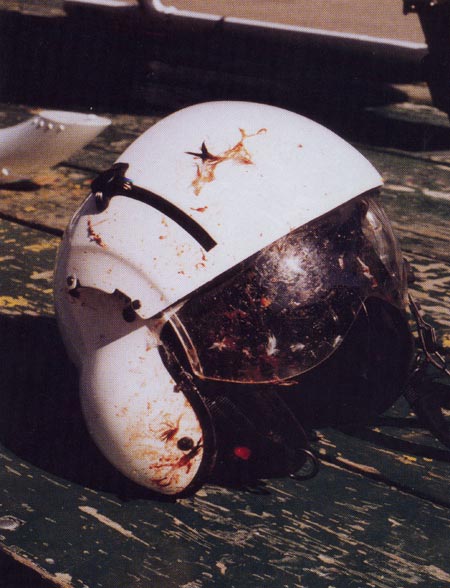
x: 246, y: 173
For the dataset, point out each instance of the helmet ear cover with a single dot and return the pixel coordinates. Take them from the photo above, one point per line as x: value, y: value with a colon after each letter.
x: 365, y: 375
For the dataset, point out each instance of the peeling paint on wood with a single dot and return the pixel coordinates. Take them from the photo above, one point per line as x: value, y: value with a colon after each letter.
x: 93, y: 512
x: 375, y: 516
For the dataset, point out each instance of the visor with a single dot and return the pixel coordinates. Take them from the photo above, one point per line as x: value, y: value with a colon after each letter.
x: 288, y: 308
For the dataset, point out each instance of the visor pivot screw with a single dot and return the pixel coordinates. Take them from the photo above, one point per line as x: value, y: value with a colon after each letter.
x: 100, y: 201
x: 242, y: 452
x: 73, y: 285
x: 71, y: 282
x: 129, y: 314
x: 309, y: 468
x: 185, y: 444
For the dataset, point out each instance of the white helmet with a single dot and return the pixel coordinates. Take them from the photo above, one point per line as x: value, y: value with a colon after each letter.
x: 214, y: 284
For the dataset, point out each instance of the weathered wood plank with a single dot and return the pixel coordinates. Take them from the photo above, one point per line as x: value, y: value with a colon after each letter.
x: 363, y: 534
x: 67, y: 514
x: 70, y: 516
x: 417, y: 197
x: 395, y: 450
x: 52, y: 471
x: 26, y: 262
x: 46, y: 8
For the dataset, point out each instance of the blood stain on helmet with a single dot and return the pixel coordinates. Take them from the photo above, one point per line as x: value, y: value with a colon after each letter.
x: 175, y: 465
x: 203, y: 261
x: 93, y: 235
x: 206, y: 169
x: 304, y: 288
x: 171, y: 429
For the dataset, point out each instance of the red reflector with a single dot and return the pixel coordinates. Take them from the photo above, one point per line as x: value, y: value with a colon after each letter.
x: 242, y: 452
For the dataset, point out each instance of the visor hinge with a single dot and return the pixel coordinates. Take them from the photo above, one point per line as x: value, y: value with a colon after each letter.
x: 110, y: 183
x: 426, y: 395
x: 427, y: 340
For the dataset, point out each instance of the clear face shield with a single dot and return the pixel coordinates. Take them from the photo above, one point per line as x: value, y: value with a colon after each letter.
x: 288, y: 308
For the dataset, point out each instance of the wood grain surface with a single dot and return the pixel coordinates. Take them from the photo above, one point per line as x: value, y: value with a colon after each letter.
x: 377, y: 514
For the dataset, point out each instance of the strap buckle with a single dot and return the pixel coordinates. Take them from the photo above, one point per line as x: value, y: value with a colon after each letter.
x: 110, y: 183
x: 428, y: 340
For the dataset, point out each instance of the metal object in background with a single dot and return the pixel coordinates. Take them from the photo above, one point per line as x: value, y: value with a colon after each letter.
x: 44, y: 140
x: 434, y: 17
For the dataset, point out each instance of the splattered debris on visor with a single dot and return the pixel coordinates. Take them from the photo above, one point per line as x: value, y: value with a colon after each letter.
x: 289, y: 307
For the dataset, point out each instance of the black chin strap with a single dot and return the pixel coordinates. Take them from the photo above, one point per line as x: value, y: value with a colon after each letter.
x: 427, y: 395
x: 113, y: 182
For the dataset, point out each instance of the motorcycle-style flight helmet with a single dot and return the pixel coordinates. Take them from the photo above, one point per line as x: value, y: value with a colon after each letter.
x: 230, y: 282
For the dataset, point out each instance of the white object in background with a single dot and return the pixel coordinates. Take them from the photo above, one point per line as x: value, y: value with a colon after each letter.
x: 44, y: 140
x: 158, y: 11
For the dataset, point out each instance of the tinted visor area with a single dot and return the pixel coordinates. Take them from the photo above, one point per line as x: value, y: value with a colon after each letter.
x: 288, y: 308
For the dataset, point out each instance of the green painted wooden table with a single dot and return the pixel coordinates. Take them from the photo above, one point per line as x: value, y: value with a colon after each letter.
x: 377, y: 515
